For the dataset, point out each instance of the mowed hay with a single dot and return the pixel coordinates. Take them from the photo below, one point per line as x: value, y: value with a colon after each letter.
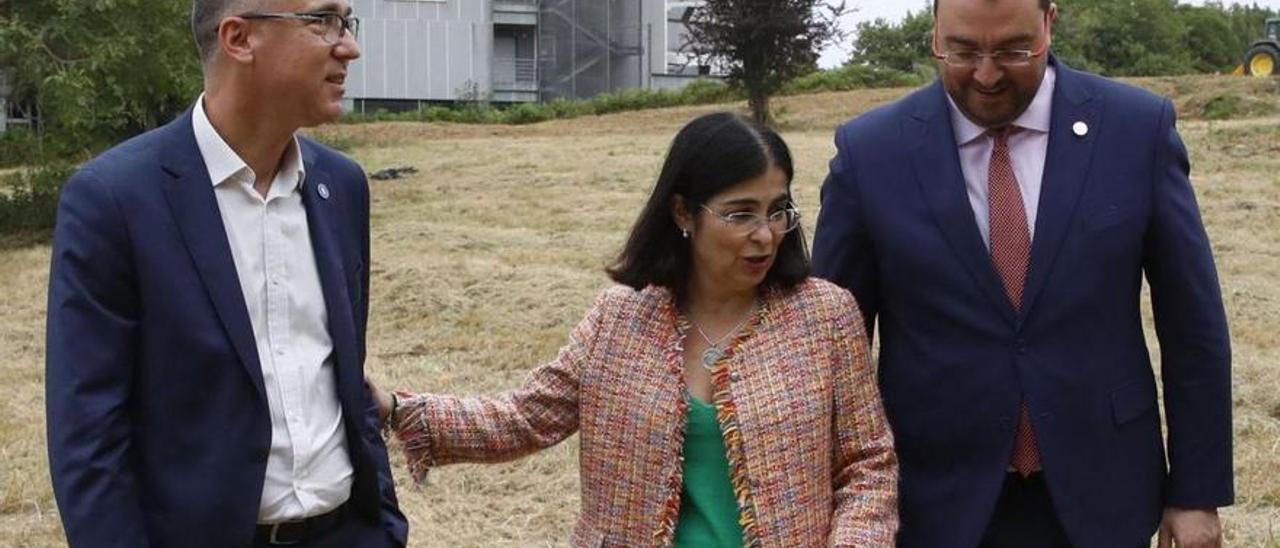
x: 485, y: 259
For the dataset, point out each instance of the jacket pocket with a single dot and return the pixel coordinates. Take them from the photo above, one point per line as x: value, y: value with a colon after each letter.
x: 1132, y: 400
x: 1104, y: 218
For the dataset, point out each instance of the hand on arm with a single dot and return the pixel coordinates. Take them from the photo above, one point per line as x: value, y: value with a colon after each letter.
x: 436, y: 429
x: 387, y: 404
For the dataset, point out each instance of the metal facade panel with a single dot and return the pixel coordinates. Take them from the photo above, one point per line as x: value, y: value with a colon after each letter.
x: 461, y: 62
x: 473, y: 11
x: 509, y: 18
x: 419, y: 61
x: 368, y: 75
x: 428, y: 50
x: 437, y: 59
x: 397, y: 60
x: 418, y: 10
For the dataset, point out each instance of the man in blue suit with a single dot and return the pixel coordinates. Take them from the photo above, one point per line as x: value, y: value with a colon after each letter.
x: 997, y: 226
x: 207, y: 309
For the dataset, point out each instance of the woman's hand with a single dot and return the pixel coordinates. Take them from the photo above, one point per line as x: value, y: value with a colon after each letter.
x: 383, y: 399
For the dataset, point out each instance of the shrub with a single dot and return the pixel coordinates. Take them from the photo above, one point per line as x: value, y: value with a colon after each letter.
x: 528, y: 113
x: 18, y: 146
x: 854, y: 77
x: 335, y: 141
x: 699, y: 92
x: 29, y: 199
x: 1222, y: 107
x: 707, y: 91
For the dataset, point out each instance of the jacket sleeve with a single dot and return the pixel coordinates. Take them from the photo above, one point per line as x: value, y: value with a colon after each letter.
x: 1191, y: 325
x: 439, y: 429
x: 91, y: 350
x: 393, y: 519
x: 864, y: 464
x: 842, y: 249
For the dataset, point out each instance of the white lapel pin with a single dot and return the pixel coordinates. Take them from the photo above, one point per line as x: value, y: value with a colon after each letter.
x: 323, y: 190
x: 1080, y: 129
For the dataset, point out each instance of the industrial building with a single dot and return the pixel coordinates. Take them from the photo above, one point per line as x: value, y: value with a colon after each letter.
x: 417, y: 52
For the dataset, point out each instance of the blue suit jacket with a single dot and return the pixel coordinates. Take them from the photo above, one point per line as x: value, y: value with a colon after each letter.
x: 897, y: 229
x: 157, y: 417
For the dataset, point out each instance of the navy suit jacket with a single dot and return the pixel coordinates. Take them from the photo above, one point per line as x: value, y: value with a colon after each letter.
x: 956, y: 360
x: 157, y: 416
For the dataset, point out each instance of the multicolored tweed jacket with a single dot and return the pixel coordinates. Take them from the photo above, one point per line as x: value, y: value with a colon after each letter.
x: 810, y: 452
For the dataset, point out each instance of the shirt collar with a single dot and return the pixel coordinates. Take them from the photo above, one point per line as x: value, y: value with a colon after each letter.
x: 223, y: 163
x: 1035, y: 118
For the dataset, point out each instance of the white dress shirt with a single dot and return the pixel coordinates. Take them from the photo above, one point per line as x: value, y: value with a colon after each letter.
x: 1027, y: 150
x: 308, y: 469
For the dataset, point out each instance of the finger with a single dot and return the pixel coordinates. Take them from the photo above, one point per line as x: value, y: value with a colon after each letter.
x: 1164, y: 539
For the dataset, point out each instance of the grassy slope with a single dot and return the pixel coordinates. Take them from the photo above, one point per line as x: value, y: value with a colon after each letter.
x: 486, y: 258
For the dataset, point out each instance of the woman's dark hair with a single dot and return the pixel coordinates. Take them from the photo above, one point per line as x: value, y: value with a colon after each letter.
x: 709, y: 155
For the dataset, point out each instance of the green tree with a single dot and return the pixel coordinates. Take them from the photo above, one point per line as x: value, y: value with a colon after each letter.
x: 1213, y: 48
x: 98, y: 70
x: 1246, y: 24
x: 762, y: 44
x: 1129, y: 38
x: 903, y: 46
x: 1116, y: 38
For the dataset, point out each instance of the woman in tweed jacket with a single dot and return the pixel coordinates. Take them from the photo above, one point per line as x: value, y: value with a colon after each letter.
x: 715, y: 305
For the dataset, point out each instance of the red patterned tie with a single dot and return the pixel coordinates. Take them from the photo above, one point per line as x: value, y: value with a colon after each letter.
x: 1011, y: 253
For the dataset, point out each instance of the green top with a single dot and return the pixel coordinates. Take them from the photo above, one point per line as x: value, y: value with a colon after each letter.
x: 708, y: 509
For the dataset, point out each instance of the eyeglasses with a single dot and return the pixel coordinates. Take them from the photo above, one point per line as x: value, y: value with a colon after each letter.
x: 781, y: 221
x: 969, y: 59
x: 334, y: 24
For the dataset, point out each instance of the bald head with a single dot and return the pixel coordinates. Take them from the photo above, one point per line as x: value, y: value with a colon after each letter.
x: 1044, y: 6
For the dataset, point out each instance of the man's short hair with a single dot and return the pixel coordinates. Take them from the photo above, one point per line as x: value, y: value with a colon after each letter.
x: 205, y: 17
x: 1044, y: 6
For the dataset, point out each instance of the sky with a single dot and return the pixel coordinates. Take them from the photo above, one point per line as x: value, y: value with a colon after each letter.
x: 895, y: 10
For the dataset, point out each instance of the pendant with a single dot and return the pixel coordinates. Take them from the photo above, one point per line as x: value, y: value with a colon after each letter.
x: 710, y: 356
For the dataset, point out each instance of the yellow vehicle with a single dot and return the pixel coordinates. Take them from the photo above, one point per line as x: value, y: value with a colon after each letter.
x: 1263, y: 58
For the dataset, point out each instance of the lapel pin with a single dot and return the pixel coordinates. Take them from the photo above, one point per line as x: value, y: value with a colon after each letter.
x: 1080, y: 129
x: 323, y: 190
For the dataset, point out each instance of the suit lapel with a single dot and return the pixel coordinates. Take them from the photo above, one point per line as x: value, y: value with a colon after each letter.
x: 195, y: 211
x: 936, y: 162
x: 324, y: 210
x: 1065, y: 169
x: 319, y: 200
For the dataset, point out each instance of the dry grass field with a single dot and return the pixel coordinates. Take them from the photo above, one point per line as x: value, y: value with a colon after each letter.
x: 485, y: 258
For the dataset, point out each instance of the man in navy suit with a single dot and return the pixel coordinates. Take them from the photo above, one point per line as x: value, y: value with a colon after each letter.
x: 997, y: 225
x: 207, y: 309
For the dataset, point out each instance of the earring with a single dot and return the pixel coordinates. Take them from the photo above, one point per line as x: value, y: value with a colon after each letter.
x: 684, y: 233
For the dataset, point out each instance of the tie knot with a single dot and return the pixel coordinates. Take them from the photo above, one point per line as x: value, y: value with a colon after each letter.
x: 1001, y: 134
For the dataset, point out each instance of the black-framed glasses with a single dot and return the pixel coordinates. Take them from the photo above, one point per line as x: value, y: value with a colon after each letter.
x: 333, y: 24
x: 781, y: 221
